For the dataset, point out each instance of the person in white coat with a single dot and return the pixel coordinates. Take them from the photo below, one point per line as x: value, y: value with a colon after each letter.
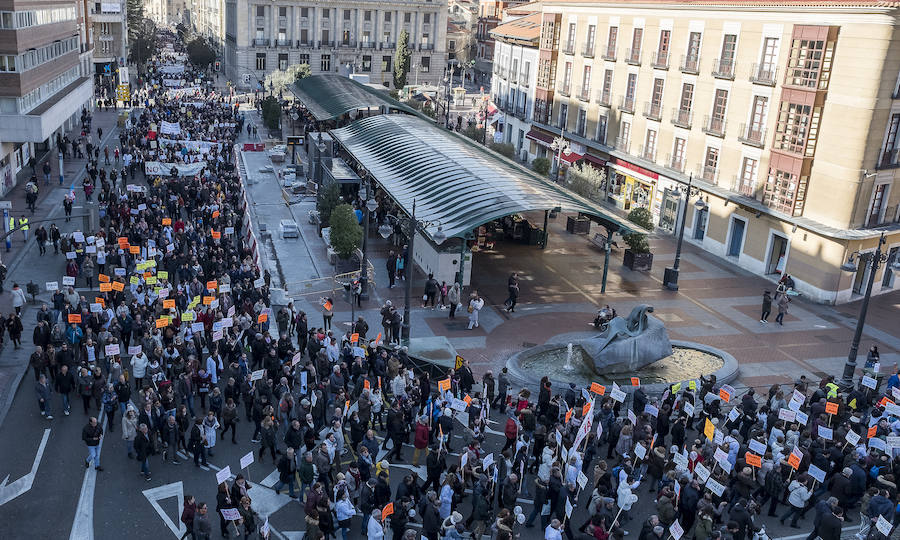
x: 139, y: 363
x: 625, y: 497
x: 210, y: 425
x: 475, y: 305
x: 374, y: 529
x: 18, y: 298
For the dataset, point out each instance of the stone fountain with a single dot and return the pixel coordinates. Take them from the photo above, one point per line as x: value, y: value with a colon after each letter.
x: 628, y: 344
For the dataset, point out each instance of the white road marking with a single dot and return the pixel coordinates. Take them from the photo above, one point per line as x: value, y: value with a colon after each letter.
x: 154, y: 495
x: 9, y: 492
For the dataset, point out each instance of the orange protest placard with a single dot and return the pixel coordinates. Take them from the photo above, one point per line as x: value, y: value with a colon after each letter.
x: 263, y: 317
x: 872, y: 432
x: 215, y: 214
x: 569, y: 415
x: 354, y: 338
x: 794, y: 461
x: 378, y: 338
x: 146, y: 275
x: 212, y: 285
x: 726, y: 397
x: 162, y: 322
x: 216, y: 235
x: 366, y: 384
x: 635, y: 381
x: 98, y: 300
x: 884, y: 401
x: 444, y: 385
x: 166, y: 221
x: 379, y: 381
x: 467, y: 399
x: 831, y: 407
x: 169, y: 304
x: 586, y: 409
x: 207, y: 300
x: 134, y: 250
x: 753, y: 460
x: 387, y: 510
x: 118, y: 286
x: 105, y: 287
x: 122, y: 240
x: 74, y: 318
x: 327, y: 305
x: 102, y: 278
x: 598, y: 388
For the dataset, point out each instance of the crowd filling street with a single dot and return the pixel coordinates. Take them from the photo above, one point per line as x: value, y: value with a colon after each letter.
x: 177, y: 349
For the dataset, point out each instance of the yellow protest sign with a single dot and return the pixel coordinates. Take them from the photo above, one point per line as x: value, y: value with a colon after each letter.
x: 162, y: 274
x: 709, y: 430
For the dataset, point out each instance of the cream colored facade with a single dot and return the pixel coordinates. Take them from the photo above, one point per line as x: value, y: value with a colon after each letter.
x: 207, y: 17
x: 782, y: 116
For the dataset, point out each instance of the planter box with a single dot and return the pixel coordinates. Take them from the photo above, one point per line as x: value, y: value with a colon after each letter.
x: 640, y: 262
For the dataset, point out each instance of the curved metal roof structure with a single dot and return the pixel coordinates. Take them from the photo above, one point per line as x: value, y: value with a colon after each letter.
x: 330, y: 95
x: 454, y: 181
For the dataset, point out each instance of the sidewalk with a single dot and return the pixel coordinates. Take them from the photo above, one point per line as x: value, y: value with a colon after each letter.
x: 23, y: 261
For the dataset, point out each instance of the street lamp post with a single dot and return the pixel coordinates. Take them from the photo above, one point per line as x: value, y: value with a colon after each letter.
x: 560, y: 145
x: 670, y: 279
x: 448, y: 80
x: 371, y: 206
x: 875, y: 260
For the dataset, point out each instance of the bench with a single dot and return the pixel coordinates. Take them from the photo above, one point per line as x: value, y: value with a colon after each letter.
x: 599, y: 240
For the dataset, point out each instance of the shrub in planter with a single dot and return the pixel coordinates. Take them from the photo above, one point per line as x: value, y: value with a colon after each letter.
x: 541, y: 166
x: 638, y: 256
x: 346, y: 233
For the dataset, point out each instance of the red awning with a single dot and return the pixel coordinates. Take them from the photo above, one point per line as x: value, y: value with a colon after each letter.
x: 491, y: 108
x: 539, y: 136
x: 594, y: 160
x: 571, y: 158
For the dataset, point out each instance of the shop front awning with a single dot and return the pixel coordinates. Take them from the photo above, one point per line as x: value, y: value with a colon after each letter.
x: 571, y: 157
x: 329, y: 96
x: 454, y: 182
x: 539, y: 137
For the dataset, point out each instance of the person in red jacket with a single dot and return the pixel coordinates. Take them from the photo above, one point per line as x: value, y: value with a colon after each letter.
x: 512, y: 431
x: 420, y: 441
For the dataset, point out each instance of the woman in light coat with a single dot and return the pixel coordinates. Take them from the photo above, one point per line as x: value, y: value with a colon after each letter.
x: 475, y: 305
x: 139, y: 364
x: 453, y: 297
x: 625, y: 497
x: 129, y: 430
x: 210, y: 425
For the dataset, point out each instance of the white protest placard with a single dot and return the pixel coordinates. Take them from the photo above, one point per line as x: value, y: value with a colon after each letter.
x: 458, y: 405
x: 217, y: 336
x: 164, y: 293
x: 227, y: 322
x: 463, y: 459
x: 296, y: 359
x: 134, y: 349
x: 701, y: 471
x: 223, y: 474
x: 259, y: 283
x: 92, y: 239
x: 487, y: 461
x: 70, y: 255
x: 217, y: 326
x: 68, y: 280
x: 681, y: 460
x: 817, y: 473
x: 892, y: 408
x: 96, y: 307
x: 757, y: 447
x: 852, y: 437
x: 231, y: 312
x: 229, y: 230
x: 196, y: 327
x: 112, y: 349
x: 893, y: 441
x: 617, y: 395
x: 715, y: 487
x: 90, y: 249
x: 869, y: 382
x: 651, y: 410
x: 787, y: 415
x: 359, y: 352
x: 876, y: 367
x: 794, y: 405
x: 675, y: 530
x: 52, y: 285
x: 895, y: 391
x: 632, y: 417
x: 802, y: 417
x: 688, y: 409
x: 247, y: 460
x: 230, y: 514
x: 733, y: 415
x: 264, y: 530
x: 568, y: 508
x: 225, y: 287
x: 214, y: 304
x: 303, y: 378
x: 582, y: 480
x: 78, y: 236
x: 720, y: 455
x: 826, y: 433
x: 257, y: 375
x: 640, y: 451
x: 718, y: 437
x: 878, y: 444
x: 884, y: 526
x: 798, y: 396
x: 119, y: 272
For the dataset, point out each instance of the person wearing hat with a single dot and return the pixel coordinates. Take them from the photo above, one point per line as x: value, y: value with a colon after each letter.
x: 374, y: 528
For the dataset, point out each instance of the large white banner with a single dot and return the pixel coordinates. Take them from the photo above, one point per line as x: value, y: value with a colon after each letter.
x: 172, y: 68
x: 170, y: 128
x: 199, y: 146
x: 164, y: 169
x: 181, y: 92
x: 173, y: 83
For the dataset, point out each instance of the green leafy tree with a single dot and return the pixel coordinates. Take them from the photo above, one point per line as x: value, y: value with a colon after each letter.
x: 587, y: 181
x: 271, y: 112
x: 329, y: 198
x: 142, y: 41
x: 636, y: 241
x: 280, y: 80
x: 200, y: 53
x: 541, y: 166
x: 505, y: 150
x: 401, y: 60
x: 134, y: 16
x: 346, y: 233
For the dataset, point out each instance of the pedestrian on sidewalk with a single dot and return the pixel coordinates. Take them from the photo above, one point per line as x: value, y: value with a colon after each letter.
x: 18, y: 298
x: 46, y: 170
x: 91, y: 435
x: 68, y: 201
x: 43, y: 390
x: 14, y: 327
x: 453, y: 297
x: 23, y: 225
x: 65, y: 384
x: 143, y: 446
x: 512, y: 287
x: 87, y: 270
x: 391, y: 269
x: 783, y: 303
x: 55, y: 236
x: 766, y: 307
x: 41, y: 236
x: 475, y: 305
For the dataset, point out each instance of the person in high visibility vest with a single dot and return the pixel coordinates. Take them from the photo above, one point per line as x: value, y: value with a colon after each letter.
x: 23, y: 224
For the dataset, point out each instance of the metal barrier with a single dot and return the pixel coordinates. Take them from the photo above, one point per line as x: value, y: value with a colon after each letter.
x: 326, y: 286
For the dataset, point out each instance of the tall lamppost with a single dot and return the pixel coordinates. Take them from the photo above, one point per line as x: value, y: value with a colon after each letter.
x: 873, y: 261
x: 448, y: 81
x: 670, y: 278
x: 413, y: 226
x: 561, y: 146
x: 371, y: 206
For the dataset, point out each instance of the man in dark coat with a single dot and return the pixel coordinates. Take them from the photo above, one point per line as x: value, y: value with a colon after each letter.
x: 143, y: 447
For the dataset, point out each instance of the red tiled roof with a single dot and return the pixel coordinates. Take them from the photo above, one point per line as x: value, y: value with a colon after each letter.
x: 528, y: 28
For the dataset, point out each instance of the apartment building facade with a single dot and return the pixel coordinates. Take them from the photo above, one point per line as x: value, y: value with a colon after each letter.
x: 490, y: 14
x: 44, y: 81
x: 514, y: 79
x: 109, y: 23
x: 207, y: 18
x: 330, y: 36
x: 783, y: 115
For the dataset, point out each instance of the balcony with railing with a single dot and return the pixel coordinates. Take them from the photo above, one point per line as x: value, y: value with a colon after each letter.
x: 715, y: 126
x: 303, y: 43
x: 633, y: 56
x: 347, y: 44
x: 753, y: 135
x: 682, y: 117
x: 367, y: 44
x: 426, y: 46
x: 763, y: 74
x: 260, y: 42
x: 283, y: 43
x: 583, y: 93
x: 890, y: 158
x: 660, y: 60
x: 604, y: 98
x: 521, y: 113
x: 588, y: 51
x: 653, y: 110
x: 690, y: 63
x: 623, y: 144
x: 647, y: 152
x: 742, y: 186
x: 326, y: 44
x: 565, y: 89
x: 609, y: 53
x: 513, y: 77
x: 723, y: 68
x: 502, y: 73
x: 675, y: 163
x: 569, y: 47
x: 709, y: 173
x: 626, y: 104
